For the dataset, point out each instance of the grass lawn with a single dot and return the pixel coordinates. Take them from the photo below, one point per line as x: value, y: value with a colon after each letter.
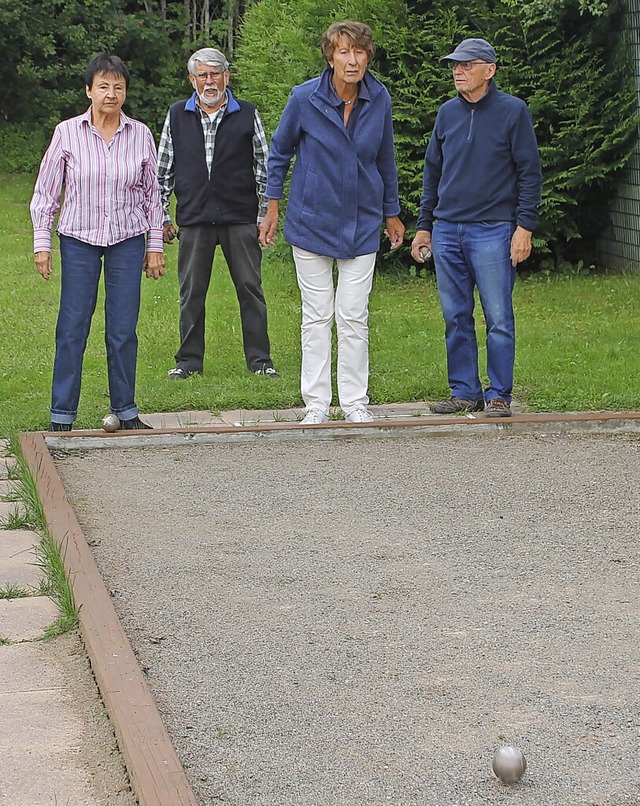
x: 578, y: 338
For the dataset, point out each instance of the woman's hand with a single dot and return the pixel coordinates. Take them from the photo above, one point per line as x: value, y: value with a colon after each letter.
x: 43, y: 264
x: 269, y: 224
x: 395, y: 231
x: 153, y: 265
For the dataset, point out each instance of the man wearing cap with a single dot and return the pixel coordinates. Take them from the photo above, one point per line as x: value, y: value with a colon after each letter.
x: 478, y: 210
x: 212, y: 155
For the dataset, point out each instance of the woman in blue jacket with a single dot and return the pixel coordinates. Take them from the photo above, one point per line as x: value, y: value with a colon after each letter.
x: 343, y: 184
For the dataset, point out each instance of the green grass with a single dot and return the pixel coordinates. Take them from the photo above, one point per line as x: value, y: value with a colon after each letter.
x: 14, y: 592
x: 49, y: 555
x: 578, y: 339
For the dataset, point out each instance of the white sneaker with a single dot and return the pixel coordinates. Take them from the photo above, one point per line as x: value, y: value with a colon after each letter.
x: 314, y: 417
x: 359, y: 415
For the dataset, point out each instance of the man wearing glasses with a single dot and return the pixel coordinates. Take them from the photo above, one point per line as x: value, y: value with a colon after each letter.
x: 478, y: 210
x: 213, y: 154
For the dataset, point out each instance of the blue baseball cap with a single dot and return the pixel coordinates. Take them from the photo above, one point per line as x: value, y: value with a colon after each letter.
x: 471, y: 49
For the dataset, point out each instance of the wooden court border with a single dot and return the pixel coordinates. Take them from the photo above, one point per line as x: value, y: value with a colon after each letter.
x: 155, y: 772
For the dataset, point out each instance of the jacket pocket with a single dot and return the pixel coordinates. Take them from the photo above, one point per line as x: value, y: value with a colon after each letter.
x: 309, y: 193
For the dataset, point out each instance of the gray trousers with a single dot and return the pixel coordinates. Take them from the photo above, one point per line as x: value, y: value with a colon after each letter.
x: 242, y: 252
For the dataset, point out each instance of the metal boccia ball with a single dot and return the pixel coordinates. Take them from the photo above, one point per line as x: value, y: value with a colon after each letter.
x: 509, y: 764
x: 111, y: 423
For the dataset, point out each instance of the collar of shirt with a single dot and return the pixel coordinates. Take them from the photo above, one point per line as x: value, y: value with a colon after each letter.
x: 193, y: 106
x: 86, y: 120
x: 336, y: 100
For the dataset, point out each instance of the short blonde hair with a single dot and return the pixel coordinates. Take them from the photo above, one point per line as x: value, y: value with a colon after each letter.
x: 359, y: 33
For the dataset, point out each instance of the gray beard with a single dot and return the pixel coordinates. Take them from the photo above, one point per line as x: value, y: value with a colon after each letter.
x: 205, y: 102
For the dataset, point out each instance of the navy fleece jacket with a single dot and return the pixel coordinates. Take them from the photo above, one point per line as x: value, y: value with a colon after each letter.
x: 482, y: 163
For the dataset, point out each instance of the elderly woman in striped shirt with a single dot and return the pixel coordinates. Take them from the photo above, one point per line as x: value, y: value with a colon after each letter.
x: 111, y: 215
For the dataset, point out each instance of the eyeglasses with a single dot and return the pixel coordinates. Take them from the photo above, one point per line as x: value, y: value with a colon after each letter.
x: 214, y: 74
x: 466, y: 66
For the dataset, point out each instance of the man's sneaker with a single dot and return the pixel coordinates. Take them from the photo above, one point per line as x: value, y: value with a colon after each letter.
x: 498, y: 408
x: 134, y: 424
x: 314, y: 417
x: 179, y: 374
x: 359, y: 415
x: 59, y: 426
x: 268, y: 372
x: 456, y: 405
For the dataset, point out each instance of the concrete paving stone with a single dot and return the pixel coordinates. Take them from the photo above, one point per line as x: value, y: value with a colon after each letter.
x: 8, y: 487
x: 26, y: 619
x: 9, y: 508
x: 387, y: 411
x: 40, y: 741
x: 18, y: 559
x: 29, y: 666
x: 50, y: 784
x: 182, y: 419
x: 397, y: 411
x: 245, y: 417
x: 34, y: 721
x: 6, y: 463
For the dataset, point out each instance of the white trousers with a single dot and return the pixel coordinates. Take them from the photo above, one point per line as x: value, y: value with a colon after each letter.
x: 350, y: 306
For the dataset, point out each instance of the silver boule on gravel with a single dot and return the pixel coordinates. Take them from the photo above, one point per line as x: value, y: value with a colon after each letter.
x: 509, y: 764
x: 111, y: 422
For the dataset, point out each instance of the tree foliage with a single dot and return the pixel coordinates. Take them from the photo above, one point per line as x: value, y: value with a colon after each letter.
x: 567, y: 64
x: 47, y: 44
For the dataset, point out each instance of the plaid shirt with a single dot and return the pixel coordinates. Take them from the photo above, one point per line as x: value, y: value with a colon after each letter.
x: 166, y: 173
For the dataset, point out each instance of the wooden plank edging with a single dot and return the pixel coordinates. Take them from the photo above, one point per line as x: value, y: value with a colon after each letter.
x: 157, y: 777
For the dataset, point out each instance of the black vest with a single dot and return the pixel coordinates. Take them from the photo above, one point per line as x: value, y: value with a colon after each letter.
x: 229, y: 196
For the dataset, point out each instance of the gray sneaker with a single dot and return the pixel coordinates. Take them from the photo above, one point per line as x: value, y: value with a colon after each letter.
x: 457, y: 405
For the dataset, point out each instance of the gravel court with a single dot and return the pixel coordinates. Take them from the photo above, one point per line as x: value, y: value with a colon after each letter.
x: 362, y: 621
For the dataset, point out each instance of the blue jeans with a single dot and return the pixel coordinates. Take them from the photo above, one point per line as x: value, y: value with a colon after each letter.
x: 80, y: 275
x: 468, y: 256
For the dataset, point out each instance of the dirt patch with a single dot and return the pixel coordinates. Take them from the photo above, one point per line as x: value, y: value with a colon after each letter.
x: 98, y: 753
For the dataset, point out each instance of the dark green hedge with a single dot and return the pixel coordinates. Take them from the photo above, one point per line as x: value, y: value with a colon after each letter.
x: 569, y: 66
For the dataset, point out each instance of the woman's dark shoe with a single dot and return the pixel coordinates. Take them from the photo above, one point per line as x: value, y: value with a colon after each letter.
x: 134, y: 424
x: 59, y: 426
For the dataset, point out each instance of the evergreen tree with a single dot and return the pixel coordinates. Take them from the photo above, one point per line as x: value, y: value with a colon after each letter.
x: 567, y: 64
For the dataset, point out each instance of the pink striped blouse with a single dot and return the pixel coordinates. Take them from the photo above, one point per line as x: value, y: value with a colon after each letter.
x: 111, y: 192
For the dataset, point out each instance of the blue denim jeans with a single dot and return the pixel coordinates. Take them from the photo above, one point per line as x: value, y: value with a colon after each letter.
x: 80, y: 275
x: 467, y: 256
